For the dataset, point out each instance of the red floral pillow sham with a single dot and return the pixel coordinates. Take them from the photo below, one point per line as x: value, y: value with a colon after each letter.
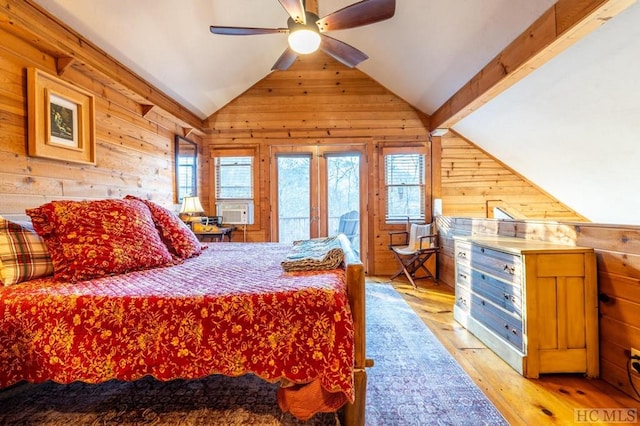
x: 176, y: 235
x: 90, y: 239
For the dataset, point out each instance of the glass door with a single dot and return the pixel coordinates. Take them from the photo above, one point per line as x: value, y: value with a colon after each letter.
x: 343, y: 200
x: 317, y: 192
x: 294, y: 200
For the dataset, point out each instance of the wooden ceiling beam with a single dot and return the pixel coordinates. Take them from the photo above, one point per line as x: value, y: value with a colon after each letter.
x: 558, y: 28
x: 41, y: 26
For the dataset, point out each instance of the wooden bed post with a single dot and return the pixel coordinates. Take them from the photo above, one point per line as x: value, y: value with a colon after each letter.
x: 354, y: 414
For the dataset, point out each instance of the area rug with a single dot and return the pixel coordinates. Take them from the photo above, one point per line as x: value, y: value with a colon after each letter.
x: 414, y: 382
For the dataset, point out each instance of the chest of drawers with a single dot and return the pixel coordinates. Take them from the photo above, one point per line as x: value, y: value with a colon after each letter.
x: 533, y: 303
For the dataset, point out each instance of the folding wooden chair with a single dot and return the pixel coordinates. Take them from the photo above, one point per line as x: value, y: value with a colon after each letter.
x: 417, y: 247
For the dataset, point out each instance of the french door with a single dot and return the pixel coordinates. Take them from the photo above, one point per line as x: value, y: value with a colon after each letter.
x: 317, y: 192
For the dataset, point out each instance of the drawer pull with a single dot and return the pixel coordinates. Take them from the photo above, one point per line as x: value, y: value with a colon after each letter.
x: 462, y: 254
x: 510, y: 269
x: 463, y: 276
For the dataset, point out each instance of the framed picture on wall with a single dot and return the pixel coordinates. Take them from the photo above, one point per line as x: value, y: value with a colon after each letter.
x: 61, y: 119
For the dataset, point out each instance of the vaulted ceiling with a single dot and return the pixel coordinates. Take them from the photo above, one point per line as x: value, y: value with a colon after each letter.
x: 571, y: 127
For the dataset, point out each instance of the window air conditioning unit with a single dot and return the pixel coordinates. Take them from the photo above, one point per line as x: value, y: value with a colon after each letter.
x: 236, y: 212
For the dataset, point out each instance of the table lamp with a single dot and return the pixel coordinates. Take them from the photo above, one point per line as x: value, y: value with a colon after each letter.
x: 191, y: 209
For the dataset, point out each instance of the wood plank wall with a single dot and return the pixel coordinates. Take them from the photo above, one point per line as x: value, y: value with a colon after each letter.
x: 134, y: 151
x: 617, y: 250
x: 473, y: 181
x: 317, y: 102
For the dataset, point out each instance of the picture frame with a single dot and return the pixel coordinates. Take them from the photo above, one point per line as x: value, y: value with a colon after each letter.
x: 61, y: 119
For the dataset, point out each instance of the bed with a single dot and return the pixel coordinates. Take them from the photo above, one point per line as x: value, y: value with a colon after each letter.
x: 228, y: 309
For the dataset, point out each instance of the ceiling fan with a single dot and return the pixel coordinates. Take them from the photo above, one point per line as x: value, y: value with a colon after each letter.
x: 306, y: 30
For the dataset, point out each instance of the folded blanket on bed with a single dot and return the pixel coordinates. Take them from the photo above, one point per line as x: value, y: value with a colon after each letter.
x: 314, y: 255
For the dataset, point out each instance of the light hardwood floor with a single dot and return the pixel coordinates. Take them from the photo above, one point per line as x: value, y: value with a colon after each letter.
x: 550, y: 400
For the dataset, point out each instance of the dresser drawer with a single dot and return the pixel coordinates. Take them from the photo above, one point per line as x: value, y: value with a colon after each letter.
x: 463, y: 274
x: 462, y: 253
x: 463, y: 298
x: 501, y: 293
x: 501, y: 322
x: 503, y: 265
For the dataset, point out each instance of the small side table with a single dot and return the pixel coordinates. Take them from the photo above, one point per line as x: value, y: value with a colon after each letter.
x: 213, y: 236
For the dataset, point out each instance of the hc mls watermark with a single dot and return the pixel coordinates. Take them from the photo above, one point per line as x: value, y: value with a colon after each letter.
x: 605, y: 415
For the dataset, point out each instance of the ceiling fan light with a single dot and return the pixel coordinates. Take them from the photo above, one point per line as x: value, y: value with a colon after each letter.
x: 304, y: 41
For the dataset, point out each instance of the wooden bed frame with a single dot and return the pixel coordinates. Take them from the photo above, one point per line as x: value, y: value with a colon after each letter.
x: 353, y: 414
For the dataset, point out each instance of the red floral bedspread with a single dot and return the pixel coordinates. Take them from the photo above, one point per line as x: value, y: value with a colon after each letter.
x: 231, y: 310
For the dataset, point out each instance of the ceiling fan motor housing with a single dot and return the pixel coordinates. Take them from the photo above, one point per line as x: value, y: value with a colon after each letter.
x: 311, y: 24
x: 304, y: 38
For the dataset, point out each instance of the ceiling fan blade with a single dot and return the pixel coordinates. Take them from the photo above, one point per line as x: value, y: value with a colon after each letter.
x: 348, y: 55
x: 295, y: 9
x: 285, y: 60
x: 358, y: 14
x: 246, y: 31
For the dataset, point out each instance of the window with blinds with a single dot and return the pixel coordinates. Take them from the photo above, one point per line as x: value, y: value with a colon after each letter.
x: 234, y: 178
x: 405, y: 186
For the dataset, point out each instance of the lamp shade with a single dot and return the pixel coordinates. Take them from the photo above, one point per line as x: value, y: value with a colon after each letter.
x: 191, y: 205
x: 304, y: 41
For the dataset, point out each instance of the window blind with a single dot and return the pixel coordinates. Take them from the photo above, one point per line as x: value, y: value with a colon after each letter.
x: 234, y: 177
x: 405, y: 184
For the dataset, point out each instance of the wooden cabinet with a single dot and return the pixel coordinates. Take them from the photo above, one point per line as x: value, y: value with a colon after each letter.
x: 533, y: 303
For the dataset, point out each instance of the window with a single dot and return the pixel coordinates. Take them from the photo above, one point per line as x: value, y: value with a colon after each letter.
x: 186, y: 163
x: 498, y: 213
x: 186, y: 176
x: 405, y: 177
x: 234, y: 178
x: 498, y: 209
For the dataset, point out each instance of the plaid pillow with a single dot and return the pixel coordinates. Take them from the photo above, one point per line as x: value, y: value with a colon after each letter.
x: 23, y: 254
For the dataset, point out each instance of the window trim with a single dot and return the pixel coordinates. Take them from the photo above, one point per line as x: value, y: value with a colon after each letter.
x: 237, y: 151
x: 406, y: 148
